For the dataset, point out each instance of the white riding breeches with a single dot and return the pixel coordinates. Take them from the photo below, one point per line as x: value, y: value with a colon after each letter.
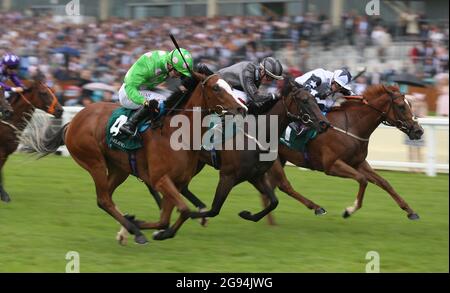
x: 126, y: 102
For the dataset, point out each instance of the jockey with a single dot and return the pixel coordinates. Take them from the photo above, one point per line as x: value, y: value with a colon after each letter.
x: 150, y: 70
x: 8, y: 70
x: 246, y: 77
x: 324, y: 85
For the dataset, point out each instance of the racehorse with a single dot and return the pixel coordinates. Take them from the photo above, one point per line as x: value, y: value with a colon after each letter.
x: 237, y: 166
x: 5, y: 109
x: 158, y: 164
x: 36, y: 95
x: 342, y: 150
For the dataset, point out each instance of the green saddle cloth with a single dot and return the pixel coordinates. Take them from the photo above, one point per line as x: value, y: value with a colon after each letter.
x: 116, y: 140
x: 297, y: 142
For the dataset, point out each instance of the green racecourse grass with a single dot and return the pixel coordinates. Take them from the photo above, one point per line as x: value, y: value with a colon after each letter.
x: 54, y: 210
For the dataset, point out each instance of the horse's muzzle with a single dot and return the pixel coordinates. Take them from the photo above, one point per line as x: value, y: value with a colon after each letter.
x: 416, y: 133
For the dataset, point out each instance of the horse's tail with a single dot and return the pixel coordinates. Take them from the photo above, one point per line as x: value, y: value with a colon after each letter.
x: 43, y: 136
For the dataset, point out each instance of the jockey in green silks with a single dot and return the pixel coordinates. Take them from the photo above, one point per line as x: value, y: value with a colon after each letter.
x: 150, y: 70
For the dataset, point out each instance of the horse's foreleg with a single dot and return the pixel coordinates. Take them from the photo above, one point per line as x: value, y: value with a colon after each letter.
x: 226, y: 183
x: 171, y: 197
x: 196, y: 202
x: 278, y: 176
x: 341, y: 169
x: 105, y: 202
x: 381, y: 182
x: 263, y: 186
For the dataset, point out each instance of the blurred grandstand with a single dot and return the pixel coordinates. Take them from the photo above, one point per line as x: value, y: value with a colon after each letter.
x: 100, y: 44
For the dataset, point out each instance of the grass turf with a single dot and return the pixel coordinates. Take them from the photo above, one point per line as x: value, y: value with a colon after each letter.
x: 54, y: 210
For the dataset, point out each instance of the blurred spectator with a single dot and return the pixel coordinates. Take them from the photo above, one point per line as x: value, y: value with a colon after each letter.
x: 420, y: 109
x: 381, y: 39
x: 442, y: 85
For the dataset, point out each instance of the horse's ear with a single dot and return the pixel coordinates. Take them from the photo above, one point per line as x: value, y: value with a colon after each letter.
x: 39, y: 76
x: 198, y: 76
x: 389, y: 91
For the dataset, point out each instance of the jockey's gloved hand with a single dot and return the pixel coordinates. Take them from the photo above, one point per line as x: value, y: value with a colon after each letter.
x: 322, y: 96
x: 151, y: 104
x: 203, y: 68
x: 17, y: 89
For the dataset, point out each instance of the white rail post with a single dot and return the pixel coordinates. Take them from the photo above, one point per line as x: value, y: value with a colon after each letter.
x: 430, y: 141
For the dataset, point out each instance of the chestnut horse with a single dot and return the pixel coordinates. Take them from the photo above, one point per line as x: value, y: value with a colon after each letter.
x: 158, y: 164
x: 342, y: 151
x: 37, y: 95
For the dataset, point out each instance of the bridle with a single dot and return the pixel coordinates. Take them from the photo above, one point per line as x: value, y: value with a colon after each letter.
x: 305, y: 118
x: 398, y: 123
x: 50, y: 109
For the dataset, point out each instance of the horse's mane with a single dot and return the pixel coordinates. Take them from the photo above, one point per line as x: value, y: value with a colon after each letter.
x: 374, y: 91
x: 190, y: 84
x: 371, y: 92
x: 287, y: 86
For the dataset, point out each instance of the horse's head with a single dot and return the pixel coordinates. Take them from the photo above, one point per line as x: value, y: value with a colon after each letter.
x: 399, y: 114
x: 302, y: 107
x: 219, y: 95
x: 39, y: 95
x: 6, y: 111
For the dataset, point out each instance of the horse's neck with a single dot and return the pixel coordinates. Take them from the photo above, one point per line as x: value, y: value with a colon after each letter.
x: 362, y: 119
x: 278, y: 110
x: 22, y: 113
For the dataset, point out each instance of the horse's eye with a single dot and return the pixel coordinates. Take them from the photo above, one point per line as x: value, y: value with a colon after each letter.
x: 216, y: 88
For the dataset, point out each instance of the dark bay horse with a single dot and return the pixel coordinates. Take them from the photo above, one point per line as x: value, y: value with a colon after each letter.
x: 342, y: 151
x: 158, y: 164
x: 5, y: 109
x: 238, y: 166
x: 37, y: 95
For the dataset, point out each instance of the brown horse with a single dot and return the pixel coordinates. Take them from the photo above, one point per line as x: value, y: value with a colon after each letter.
x: 342, y: 151
x: 158, y: 164
x: 37, y: 95
x: 5, y: 109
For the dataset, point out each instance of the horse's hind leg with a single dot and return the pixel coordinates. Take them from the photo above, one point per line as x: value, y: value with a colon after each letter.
x: 277, y: 175
x: 4, y: 196
x: 381, y: 182
x: 263, y: 186
x: 341, y: 169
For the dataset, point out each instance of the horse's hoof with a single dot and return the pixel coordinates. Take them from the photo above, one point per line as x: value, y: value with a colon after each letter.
x: 140, y: 239
x: 246, y: 215
x: 320, y: 211
x: 122, y: 240
x: 162, y: 234
x: 129, y: 217
x: 204, y: 222
x: 413, y: 217
x: 346, y: 214
x: 5, y: 197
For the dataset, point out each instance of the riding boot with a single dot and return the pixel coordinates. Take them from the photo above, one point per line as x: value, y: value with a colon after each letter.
x: 129, y: 127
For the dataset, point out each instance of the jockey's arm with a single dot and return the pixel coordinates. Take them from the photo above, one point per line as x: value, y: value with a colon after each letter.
x: 138, y: 74
x: 249, y: 85
x: 5, y: 87
x: 15, y: 79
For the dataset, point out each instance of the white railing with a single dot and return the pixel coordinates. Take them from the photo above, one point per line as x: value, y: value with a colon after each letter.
x: 386, y: 149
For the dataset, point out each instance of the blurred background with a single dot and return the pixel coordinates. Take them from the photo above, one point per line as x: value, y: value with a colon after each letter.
x: 80, y: 42
x: 86, y: 47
